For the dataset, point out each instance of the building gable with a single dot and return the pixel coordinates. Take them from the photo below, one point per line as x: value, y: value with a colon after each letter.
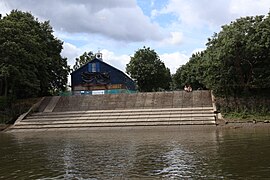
x: 97, y: 74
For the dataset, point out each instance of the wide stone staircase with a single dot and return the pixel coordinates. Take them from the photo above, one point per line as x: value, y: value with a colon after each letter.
x: 121, y: 110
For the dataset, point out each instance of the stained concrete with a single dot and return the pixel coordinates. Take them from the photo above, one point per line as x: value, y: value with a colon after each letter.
x: 175, y: 108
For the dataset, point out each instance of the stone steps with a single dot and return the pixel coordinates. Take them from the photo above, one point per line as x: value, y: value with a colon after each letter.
x: 117, y: 118
x: 124, y: 124
x: 121, y: 110
x: 100, y: 128
x: 114, y: 124
x: 116, y: 121
x: 133, y: 110
x: 121, y: 113
x: 120, y: 119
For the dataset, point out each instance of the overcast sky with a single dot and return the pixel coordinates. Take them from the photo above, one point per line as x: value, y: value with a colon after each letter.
x: 173, y: 28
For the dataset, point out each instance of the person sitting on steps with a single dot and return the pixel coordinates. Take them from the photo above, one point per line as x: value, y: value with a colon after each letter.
x: 186, y: 88
x: 189, y: 89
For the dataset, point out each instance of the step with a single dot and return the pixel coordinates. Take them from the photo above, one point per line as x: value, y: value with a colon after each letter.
x: 131, y: 116
x: 125, y: 110
x: 101, y: 129
x: 121, y: 124
x: 171, y: 119
x: 40, y: 116
x: 110, y: 112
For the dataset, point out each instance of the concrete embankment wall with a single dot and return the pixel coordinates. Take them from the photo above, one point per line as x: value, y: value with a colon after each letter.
x: 120, y: 110
x: 175, y: 99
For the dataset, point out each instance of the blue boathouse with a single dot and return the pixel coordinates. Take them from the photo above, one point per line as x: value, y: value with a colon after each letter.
x: 98, y: 77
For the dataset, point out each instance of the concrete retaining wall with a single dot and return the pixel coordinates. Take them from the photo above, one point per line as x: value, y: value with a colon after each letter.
x: 120, y: 110
x: 175, y: 99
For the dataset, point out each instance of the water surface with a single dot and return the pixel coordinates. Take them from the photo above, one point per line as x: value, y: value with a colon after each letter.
x: 180, y: 153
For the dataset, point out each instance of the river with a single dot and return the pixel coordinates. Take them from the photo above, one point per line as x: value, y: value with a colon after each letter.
x: 167, y: 153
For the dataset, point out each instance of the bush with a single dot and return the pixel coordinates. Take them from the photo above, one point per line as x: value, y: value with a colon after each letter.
x: 253, y: 107
x: 11, y: 111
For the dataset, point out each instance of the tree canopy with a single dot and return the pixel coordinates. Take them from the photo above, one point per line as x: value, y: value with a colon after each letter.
x: 30, y: 60
x: 83, y: 59
x: 190, y: 74
x: 236, y: 60
x: 149, y: 72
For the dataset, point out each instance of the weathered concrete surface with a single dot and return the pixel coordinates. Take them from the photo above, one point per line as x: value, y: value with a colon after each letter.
x: 175, y: 99
x: 52, y: 104
x: 122, y: 110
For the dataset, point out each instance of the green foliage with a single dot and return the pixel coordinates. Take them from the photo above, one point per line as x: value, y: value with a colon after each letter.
x: 150, y: 73
x: 237, y: 58
x: 83, y: 59
x: 236, y: 66
x: 30, y: 60
x: 236, y: 61
x: 16, y: 108
x: 246, y: 114
x: 190, y: 74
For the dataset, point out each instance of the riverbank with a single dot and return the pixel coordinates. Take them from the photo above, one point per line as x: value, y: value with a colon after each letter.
x: 68, y: 110
x: 242, y: 123
x: 221, y: 124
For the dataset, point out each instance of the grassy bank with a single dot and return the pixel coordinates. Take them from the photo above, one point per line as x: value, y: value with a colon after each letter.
x: 11, y: 109
x: 245, y: 108
x: 242, y: 116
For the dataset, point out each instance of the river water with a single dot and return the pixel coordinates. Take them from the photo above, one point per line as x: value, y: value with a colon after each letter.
x: 166, y: 153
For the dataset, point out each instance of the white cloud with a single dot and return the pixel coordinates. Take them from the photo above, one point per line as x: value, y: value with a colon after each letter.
x: 3, y: 8
x: 175, y: 38
x: 196, y: 13
x: 154, y: 13
x: 71, y: 52
x: 171, y: 60
x: 120, y: 26
x: 117, y: 61
x: 174, y: 60
x: 117, y: 19
x: 249, y: 7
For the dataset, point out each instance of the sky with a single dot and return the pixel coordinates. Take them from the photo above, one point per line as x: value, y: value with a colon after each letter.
x: 175, y: 29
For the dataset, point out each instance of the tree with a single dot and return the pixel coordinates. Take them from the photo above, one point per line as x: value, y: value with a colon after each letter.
x: 149, y: 72
x: 238, y: 57
x: 235, y: 62
x: 31, y: 64
x: 191, y: 73
x: 83, y: 59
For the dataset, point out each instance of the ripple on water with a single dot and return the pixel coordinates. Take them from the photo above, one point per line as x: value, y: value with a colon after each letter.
x: 134, y: 154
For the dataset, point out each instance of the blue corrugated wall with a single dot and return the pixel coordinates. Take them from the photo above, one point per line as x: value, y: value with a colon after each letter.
x: 116, y: 76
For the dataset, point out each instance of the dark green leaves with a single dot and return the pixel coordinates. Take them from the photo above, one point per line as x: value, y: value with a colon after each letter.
x: 236, y: 60
x: 83, y: 59
x: 29, y: 47
x: 148, y: 71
